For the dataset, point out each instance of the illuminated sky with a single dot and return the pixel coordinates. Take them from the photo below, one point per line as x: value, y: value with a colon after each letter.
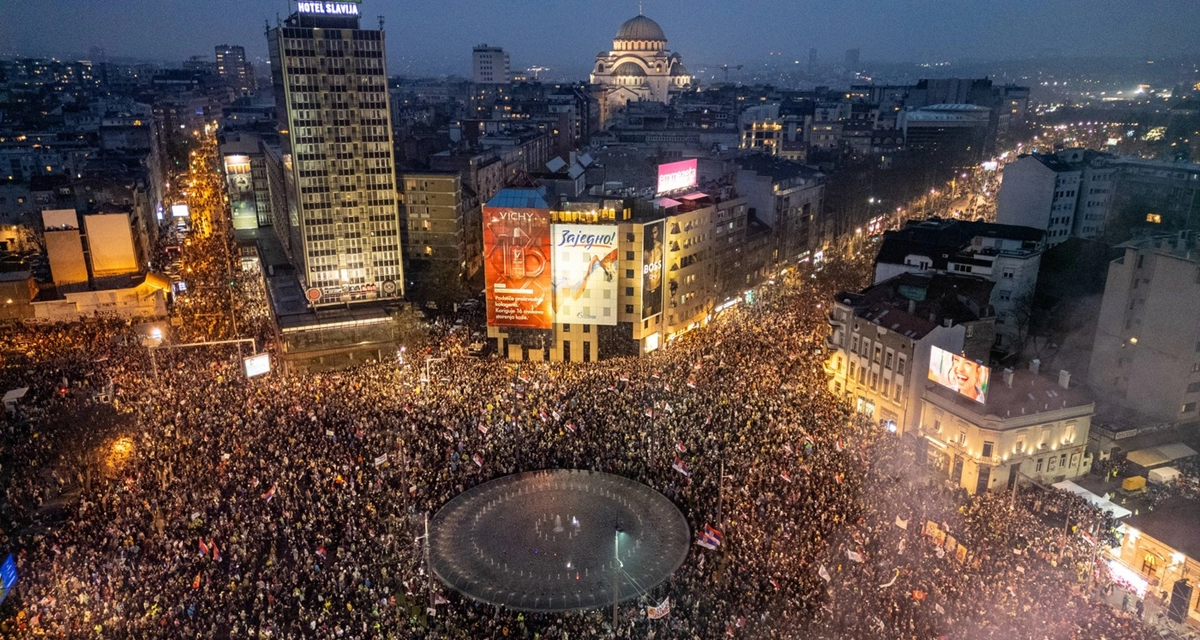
x: 435, y: 36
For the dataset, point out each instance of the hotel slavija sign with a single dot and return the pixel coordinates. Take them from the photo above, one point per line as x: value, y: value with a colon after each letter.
x: 328, y: 8
x: 517, y: 273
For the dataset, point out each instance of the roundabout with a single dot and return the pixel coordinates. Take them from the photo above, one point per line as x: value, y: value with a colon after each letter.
x: 557, y: 540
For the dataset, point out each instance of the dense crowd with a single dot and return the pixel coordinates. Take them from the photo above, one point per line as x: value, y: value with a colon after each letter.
x: 206, y: 505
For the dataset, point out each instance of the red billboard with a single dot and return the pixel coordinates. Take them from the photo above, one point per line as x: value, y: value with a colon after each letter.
x: 516, y: 249
x: 677, y: 175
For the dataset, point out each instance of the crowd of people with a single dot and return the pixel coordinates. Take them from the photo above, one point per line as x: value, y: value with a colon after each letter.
x: 208, y: 505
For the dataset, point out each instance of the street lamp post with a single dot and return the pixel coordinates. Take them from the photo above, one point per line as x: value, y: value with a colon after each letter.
x: 616, y: 573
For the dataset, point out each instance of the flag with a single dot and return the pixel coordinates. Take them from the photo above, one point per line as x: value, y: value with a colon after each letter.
x: 196, y: 582
x: 483, y: 428
x: 440, y: 599
x: 786, y: 476
x: 216, y: 552
x: 903, y: 524
x: 478, y: 460
x: 203, y: 548
x: 788, y: 448
x: 939, y: 609
x: 379, y: 461
x: 691, y: 383
x: 824, y: 574
x: 680, y: 448
x: 839, y: 445
x: 775, y: 583
x: 542, y: 415
x: 854, y: 555
x: 571, y: 427
x: 679, y: 466
x: 714, y: 533
x: 661, y: 611
x: 706, y: 543
x: 270, y: 493
x: 649, y: 412
x: 321, y: 552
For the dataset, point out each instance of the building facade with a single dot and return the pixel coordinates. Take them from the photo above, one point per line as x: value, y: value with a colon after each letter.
x: 1146, y: 353
x: 489, y: 65
x: 441, y: 224
x: 1067, y: 193
x: 343, y: 232
x: 1028, y: 426
x: 880, y: 340
x: 233, y: 68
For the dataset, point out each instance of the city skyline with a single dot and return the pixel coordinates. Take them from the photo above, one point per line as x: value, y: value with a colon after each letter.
x: 708, y: 33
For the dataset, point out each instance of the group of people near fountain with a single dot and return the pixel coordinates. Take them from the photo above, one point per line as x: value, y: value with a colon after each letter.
x: 263, y: 508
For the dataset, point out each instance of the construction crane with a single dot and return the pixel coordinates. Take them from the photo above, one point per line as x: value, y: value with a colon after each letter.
x: 726, y: 69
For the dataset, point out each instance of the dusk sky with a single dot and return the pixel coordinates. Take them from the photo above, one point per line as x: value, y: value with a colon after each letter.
x: 435, y: 36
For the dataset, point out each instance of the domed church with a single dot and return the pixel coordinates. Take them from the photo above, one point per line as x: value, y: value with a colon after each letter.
x: 639, y: 67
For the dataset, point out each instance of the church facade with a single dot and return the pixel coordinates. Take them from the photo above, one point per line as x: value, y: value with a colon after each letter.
x: 639, y: 67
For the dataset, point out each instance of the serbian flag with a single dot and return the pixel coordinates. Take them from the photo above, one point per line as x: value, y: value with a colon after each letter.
x: 542, y: 415
x: 203, y: 547
x: 478, y: 459
x: 440, y: 599
x: 216, y: 552
x: 788, y: 448
x: 624, y: 378
x: 786, y: 476
x: 196, y: 582
x: 321, y: 552
x: 775, y: 583
x: 571, y: 427
x: 691, y: 383
x: 714, y: 534
x: 679, y: 466
x: 270, y: 493
x: 706, y: 543
x: 649, y: 412
x: 680, y: 448
x: 839, y: 445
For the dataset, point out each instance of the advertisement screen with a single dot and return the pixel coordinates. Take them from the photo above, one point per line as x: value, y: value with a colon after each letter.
x: 517, y: 275
x: 257, y: 365
x: 676, y: 175
x: 179, y: 211
x: 240, y: 185
x: 956, y: 373
x: 585, y: 273
x: 652, y: 270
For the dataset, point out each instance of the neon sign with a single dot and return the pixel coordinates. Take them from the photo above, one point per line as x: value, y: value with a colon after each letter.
x: 328, y: 8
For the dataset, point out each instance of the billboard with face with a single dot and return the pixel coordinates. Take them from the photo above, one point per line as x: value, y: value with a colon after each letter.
x: 585, y: 273
x: 652, y: 269
x: 517, y: 275
x: 956, y: 373
x: 677, y: 175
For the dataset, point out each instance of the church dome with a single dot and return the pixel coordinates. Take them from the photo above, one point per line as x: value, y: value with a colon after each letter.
x: 629, y: 69
x: 640, y: 28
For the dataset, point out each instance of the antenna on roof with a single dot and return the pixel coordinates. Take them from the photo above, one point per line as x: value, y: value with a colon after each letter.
x: 639, y: 7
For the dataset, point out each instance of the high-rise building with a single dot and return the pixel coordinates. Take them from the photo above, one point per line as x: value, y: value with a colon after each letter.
x: 1146, y: 354
x: 342, y: 227
x: 233, y: 69
x: 1066, y: 193
x: 490, y: 65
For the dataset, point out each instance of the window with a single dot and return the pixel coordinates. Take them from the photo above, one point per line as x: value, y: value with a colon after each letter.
x: 854, y: 344
x: 878, y: 354
x: 837, y: 363
x: 899, y: 391
x: 1193, y: 387
x: 937, y: 426
x: 1004, y: 295
x: 853, y: 369
x: 874, y: 380
x: 1189, y: 407
x: 988, y: 448
x: 1050, y: 464
x: 628, y: 291
x: 962, y: 437
x: 1141, y: 260
x: 900, y: 364
x: 887, y: 360
x: 566, y: 328
x: 887, y: 387
x: 628, y: 308
x: 1020, y: 447
x: 1009, y: 273
x: 1039, y: 465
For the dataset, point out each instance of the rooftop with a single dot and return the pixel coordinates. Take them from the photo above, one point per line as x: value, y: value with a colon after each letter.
x: 914, y: 304
x: 1172, y: 522
x: 941, y: 240
x: 779, y: 169
x: 1029, y: 394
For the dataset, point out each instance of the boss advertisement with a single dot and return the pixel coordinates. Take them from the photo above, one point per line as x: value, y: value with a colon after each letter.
x: 652, y: 270
x: 585, y: 273
x: 517, y: 271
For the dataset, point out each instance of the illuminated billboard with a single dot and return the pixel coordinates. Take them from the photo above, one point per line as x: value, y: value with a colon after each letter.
x: 240, y: 185
x: 652, y: 269
x: 956, y: 373
x: 517, y: 274
x: 328, y: 8
x: 585, y: 273
x: 257, y: 365
x: 677, y: 175
x: 179, y: 211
